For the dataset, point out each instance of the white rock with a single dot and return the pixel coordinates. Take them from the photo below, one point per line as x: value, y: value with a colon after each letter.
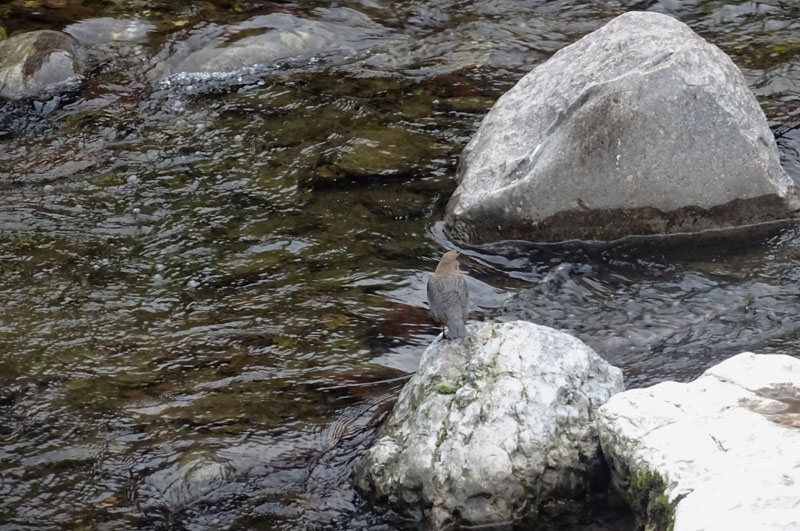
x: 517, y: 430
x: 726, y: 444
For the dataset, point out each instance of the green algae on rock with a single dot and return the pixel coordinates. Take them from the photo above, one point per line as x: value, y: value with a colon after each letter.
x: 377, y: 151
x: 646, y: 495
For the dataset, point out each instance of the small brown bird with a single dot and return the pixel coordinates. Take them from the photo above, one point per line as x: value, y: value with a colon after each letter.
x: 448, y: 297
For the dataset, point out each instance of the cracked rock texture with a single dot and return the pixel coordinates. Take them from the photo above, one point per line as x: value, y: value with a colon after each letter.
x: 641, y: 127
x: 39, y: 63
x: 726, y: 444
x: 492, y: 427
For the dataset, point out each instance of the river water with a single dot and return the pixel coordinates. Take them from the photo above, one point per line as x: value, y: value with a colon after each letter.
x: 213, y: 291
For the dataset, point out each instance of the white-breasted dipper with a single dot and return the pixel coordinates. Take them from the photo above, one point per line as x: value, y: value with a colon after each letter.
x: 448, y: 297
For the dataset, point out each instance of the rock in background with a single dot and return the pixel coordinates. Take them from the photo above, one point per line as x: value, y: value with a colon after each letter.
x: 716, y: 454
x: 39, y: 63
x: 210, y: 51
x: 493, y: 427
x: 641, y: 127
x: 104, y: 30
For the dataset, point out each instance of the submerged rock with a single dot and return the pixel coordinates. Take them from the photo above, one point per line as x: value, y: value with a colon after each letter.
x: 211, y: 52
x: 716, y: 454
x: 39, y: 63
x: 387, y: 152
x: 106, y: 29
x: 641, y: 127
x: 493, y: 427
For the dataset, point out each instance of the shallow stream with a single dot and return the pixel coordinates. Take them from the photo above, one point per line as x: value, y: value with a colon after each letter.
x: 213, y: 290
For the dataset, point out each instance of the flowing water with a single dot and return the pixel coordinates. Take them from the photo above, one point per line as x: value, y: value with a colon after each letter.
x: 213, y: 289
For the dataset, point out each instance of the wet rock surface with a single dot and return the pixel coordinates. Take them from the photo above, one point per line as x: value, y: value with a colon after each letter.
x: 104, y: 30
x: 374, y: 152
x: 209, y: 51
x: 39, y: 63
x: 493, y: 427
x: 723, y: 447
x: 641, y: 127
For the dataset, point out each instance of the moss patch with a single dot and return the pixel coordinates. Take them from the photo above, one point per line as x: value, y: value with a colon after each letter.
x: 446, y: 389
x: 647, y: 496
x: 442, y: 436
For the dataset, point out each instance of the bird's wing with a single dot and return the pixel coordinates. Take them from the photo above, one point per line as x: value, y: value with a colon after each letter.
x: 463, y: 287
x: 433, y: 302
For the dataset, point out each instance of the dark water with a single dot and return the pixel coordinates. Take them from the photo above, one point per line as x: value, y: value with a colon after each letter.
x: 212, y: 295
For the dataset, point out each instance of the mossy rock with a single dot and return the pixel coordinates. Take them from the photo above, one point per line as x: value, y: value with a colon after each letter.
x: 385, y: 151
x: 396, y: 201
x: 646, y: 495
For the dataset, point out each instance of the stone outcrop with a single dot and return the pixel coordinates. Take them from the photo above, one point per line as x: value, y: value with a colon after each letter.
x: 639, y: 128
x: 39, y: 63
x: 716, y: 454
x: 492, y: 427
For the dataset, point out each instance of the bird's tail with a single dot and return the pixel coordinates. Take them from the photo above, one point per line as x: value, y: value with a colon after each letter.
x: 457, y: 329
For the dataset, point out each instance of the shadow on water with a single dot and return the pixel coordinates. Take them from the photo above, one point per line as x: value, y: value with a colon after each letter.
x: 211, y: 297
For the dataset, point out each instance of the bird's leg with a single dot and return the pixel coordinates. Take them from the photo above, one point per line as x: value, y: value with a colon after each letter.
x: 444, y: 332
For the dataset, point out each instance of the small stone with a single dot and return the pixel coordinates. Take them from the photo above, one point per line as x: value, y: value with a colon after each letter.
x: 39, y: 63
x: 51, y: 105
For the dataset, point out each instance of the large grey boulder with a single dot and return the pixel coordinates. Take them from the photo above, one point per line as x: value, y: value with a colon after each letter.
x: 39, y: 63
x: 716, y: 454
x: 492, y: 427
x: 641, y: 127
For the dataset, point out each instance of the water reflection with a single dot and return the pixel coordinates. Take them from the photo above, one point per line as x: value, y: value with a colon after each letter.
x: 212, y: 297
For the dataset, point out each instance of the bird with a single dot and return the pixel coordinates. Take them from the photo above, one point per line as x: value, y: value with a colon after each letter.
x: 448, y: 297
